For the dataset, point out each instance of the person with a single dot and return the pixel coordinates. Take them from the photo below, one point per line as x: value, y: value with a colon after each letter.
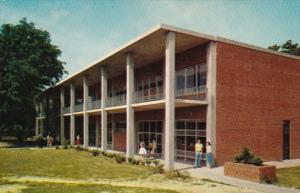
x: 49, y: 140
x: 142, y: 151
x: 209, y: 155
x: 198, y: 153
x: 77, y: 140
x: 153, y: 147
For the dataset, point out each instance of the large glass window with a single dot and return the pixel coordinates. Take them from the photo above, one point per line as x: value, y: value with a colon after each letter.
x: 187, y: 133
x: 191, y: 77
x: 150, y: 131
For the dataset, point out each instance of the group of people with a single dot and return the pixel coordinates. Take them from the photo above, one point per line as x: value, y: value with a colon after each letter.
x: 199, y: 152
x: 152, y: 149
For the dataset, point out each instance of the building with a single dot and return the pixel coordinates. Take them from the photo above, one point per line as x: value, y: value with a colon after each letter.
x: 174, y: 86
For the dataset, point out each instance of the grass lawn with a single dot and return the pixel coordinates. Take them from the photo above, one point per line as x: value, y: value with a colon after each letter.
x: 71, y: 188
x: 289, y: 177
x: 66, y: 164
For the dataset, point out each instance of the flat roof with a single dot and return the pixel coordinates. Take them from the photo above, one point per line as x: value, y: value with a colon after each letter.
x: 161, y: 29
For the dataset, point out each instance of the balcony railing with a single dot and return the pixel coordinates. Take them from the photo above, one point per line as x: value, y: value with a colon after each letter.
x: 149, y: 95
x: 41, y: 114
x: 116, y: 100
x: 193, y: 93
x: 94, y: 104
x: 78, y: 108
x: 66, y: 110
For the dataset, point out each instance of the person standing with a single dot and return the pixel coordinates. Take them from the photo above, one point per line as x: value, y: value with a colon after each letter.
x: 209, y: 156
x: 142, y: 151
x: 78, y: 140
x: 198, y: 153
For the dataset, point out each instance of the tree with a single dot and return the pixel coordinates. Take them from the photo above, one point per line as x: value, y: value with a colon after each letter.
x: 288, y: 47
x: 28, y: 64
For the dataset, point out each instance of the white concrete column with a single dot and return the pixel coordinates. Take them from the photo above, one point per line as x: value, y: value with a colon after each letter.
x: 211, y: 95
x: 103, y: 111
x: 170, y: 100
x: 130, y: 134
x: 85, y: 115
x: 62, y: 119
x: 72, y: 116
x: 36, y: 127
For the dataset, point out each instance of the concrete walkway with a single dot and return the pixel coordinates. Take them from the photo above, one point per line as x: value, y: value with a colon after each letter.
x: 217, y: 174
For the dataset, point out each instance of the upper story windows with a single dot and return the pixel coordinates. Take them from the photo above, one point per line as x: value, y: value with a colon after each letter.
x: 192, y: 77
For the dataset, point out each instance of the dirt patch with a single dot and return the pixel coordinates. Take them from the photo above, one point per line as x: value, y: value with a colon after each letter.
x: 159, y: 182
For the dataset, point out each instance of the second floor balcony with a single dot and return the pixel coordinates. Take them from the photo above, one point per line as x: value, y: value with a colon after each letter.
x: 94, y: 104
x: 118, y: 100
x: 78, y: 107
x: 152, y: 94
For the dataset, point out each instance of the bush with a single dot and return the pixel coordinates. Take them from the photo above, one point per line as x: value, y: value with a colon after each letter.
x: 79, y: 148
x: 148, y: 162
x: 95, y: 153
x: 110, y: 155
x: 155, y: 162
x: 158, y: 169
x: 143, y: 162
x: 129, y: 159
x: 120, y: 158
x: 256, y: 161
x: 56, y: 147
x: 247, y: 157
x: 175, y: 174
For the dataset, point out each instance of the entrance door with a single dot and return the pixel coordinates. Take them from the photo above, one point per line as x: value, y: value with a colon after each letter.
x: 286, y: 139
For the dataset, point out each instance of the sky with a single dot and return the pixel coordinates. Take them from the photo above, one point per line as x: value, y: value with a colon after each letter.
x: 86, y: 30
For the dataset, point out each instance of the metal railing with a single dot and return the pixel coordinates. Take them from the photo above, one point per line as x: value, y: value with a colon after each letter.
x: 94, y: 104
x: 78, y: 108
x: 66, y: 110
x: 193, y: 93
x: 116, y: 100
x: 152, y: 94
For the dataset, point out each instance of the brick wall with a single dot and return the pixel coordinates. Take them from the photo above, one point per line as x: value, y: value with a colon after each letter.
x: 256, y: 91
x: 250, y: 172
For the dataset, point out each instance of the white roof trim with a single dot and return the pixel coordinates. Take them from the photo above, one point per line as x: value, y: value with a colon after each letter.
x: 178, y: 30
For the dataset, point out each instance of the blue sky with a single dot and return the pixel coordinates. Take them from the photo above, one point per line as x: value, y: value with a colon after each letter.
x: 86, y: 30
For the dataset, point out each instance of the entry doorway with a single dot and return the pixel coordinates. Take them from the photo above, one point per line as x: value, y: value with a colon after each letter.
x: 286, y: 139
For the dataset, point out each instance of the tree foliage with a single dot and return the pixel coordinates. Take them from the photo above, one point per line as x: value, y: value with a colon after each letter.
x: 288, y: 47
x: 28, y: 64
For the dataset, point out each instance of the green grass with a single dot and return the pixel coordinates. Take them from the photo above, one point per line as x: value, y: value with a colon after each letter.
x: 289, y: 177
x: 71, y: 188
x: 66, y: 164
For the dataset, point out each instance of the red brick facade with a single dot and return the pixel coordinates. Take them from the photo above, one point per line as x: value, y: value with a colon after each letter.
x: 255, y: 93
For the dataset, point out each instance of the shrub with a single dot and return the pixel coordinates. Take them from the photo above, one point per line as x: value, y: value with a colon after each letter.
x: 110, y: 155
x: 175, y: 174
x: 158, y: 169
x: 143, y: 162
x: 155, y: 162
x: 129, y: 159
x: 137, y: 162
x: 247, y: 157
x: 120, y: 158
x: 56, y: 147
x: 256, y: 161
x: 95, y: 153
x: 148, y: 162
x: 79, y: 148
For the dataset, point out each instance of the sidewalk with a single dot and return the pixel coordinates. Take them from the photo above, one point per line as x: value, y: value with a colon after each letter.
x: 217, y: 174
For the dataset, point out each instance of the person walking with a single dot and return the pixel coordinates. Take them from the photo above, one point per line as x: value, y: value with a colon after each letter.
x: 198, y: 153
x: 209, y: 156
